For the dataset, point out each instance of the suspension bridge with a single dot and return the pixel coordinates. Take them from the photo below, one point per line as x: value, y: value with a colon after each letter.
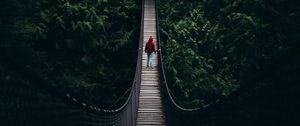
x: 27, y: 101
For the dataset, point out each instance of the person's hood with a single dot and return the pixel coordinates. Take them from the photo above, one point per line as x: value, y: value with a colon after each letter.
x: 150, y: 39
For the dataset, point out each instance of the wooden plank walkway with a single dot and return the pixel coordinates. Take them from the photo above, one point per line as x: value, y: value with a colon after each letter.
x: 150, y: 106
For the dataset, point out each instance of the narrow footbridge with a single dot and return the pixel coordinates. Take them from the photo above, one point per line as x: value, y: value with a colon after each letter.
x: 150, y: 106
x: 26, y: 100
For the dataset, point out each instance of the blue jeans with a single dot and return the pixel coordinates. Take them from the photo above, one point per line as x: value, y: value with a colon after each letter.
x: 149, y: 59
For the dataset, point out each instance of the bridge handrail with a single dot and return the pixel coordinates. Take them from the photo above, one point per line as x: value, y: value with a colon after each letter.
x: 124, y: 115
x: 170, y: 104
x: 163, y: 78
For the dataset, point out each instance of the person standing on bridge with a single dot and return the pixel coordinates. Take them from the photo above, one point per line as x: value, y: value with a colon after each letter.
x: 149, y: 49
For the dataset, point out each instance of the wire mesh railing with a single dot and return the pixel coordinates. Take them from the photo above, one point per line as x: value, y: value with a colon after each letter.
x: 269, y: 98
x: 27, y: 99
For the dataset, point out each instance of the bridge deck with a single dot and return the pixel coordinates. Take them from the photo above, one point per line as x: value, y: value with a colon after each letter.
x: 150, y: 106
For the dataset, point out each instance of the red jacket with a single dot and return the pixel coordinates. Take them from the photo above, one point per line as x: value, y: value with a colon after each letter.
x: 150, y: 46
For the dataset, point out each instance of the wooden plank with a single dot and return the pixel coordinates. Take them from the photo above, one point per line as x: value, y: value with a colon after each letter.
x: 150, y: 105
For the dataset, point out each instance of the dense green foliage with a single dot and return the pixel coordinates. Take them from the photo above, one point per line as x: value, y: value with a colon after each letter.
x: 211, y: 46
x: 87, y: 47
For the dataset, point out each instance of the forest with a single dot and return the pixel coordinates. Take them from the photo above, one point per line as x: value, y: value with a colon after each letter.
x: 89, y: 47
x: 84, y: 47
x: 210, y: 47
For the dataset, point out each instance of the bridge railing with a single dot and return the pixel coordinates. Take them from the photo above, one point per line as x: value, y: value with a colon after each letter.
x: 27, y: 100
x: 268, y: 98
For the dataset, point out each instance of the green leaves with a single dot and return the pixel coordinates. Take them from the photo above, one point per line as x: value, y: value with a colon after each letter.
x: 209, y: 47
x: 60, y: 22
x: 86, y: 46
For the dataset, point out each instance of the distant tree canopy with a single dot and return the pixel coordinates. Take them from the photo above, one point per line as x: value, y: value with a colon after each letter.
x: 88, y: 47
x: 211, y: 46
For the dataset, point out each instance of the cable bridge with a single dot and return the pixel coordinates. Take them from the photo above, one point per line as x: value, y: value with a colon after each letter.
x: 150, y: 106
x: 27, y: 99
